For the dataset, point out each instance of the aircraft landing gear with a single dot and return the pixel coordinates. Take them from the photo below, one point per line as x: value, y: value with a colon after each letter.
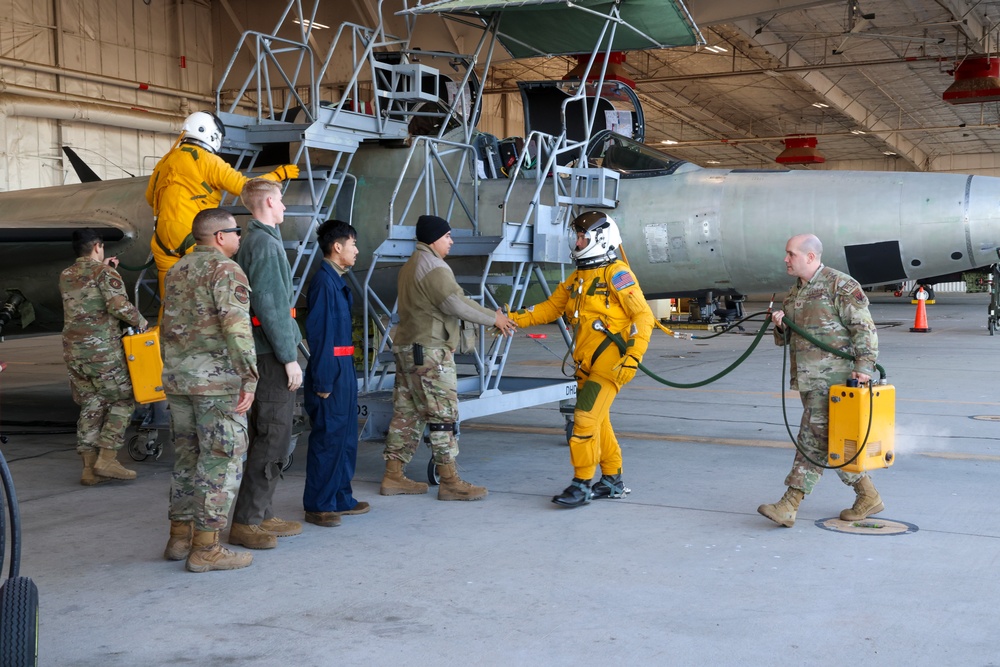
x: 18, y: 595
x: 433, y: 478
x: 144, y: 444
x: 993, y: 286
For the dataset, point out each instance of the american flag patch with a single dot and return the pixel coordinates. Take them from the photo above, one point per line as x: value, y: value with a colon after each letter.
x: 622, y: 279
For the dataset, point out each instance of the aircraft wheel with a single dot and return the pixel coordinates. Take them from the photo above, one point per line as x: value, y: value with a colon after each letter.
x: 135, y: 450
x: 991, y: 325
x: 433, y: 478
x: 569, y: 430
x: 288, y: 463
x: 19, y: 622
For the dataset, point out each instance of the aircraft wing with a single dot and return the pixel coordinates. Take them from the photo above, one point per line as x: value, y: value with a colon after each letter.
x: 59, y: 229
x: 116, y: 209
x: 531, y: 28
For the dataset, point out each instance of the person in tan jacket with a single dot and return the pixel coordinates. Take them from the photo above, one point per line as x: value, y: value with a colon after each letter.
x: 431, y: 303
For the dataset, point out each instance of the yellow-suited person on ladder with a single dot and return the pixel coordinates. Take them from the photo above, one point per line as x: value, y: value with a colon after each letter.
x: 189, y: 179
x: 602, y: 294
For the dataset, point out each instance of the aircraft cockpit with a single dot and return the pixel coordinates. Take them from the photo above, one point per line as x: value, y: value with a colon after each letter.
x: 628, y: 157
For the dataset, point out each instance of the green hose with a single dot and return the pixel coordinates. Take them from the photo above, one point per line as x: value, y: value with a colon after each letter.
x: 682, y: 385
x: 823, y: 346
x: 791, y: 326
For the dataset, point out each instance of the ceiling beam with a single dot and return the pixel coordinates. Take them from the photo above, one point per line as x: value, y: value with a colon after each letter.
x: 835, y: 96
x: 727, y: 11
x: 970, y: 25
x: 665, y: 109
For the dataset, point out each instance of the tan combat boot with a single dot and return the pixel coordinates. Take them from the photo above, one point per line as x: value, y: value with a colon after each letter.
x: 280, y: 527
x: 107, y: 466
x: 783, y: 512
x: 252, y: 536
x: 179, y: 544
x: 867, y: 503
x: 207, y: 554
x: 89, y: 477
x: 453, y: 488
x: 395, y: 483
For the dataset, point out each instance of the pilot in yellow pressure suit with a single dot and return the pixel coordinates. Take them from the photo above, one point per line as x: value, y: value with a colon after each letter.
x: 189, y: 179
x: 602, y: 292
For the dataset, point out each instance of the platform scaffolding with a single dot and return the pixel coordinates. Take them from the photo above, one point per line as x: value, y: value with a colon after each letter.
x: 391, y: 91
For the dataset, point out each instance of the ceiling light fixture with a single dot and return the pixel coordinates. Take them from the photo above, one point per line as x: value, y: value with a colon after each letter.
x: 858, y: 132
x: 820, y: 105
x: 310, y: 24
x: 800, y: 150
x: 668, y: 142
x: 716, y: 49
x: 977, y: 79
x: 888, y: 153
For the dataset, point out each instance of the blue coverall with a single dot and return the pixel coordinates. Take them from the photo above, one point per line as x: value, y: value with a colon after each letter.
x: 333, y: 442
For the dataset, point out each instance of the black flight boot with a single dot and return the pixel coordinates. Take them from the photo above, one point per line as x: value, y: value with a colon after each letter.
x: 610, y: 486
x: 575, y: 495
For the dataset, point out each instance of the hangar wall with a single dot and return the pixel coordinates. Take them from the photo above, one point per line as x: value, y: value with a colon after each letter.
x: 73, y: 73
x: 114, y: 79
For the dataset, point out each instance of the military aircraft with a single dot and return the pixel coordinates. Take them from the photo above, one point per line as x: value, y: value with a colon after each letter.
x: 687, y: 230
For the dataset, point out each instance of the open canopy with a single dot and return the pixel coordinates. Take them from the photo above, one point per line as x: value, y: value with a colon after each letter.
x: 530, y: 28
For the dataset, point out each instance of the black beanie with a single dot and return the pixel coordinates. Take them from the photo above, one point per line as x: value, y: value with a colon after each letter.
x: 430, y: 228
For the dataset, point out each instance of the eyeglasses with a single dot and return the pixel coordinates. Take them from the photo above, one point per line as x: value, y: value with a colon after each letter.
x: 235, y: 230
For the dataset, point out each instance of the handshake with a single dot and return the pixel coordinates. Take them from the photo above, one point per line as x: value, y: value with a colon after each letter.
x: 504, y: 324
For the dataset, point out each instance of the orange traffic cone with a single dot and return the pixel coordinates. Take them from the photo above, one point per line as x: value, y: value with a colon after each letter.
x: 920, y: 322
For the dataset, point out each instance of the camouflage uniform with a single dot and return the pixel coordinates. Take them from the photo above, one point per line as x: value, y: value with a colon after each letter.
x: 611, y: 294
x: 94, y: 305
x: 431, y: 303
x: 208, y: 359
x: 833, y: 308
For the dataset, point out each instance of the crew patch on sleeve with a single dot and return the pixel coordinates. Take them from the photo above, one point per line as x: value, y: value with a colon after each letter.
x: 622, y: 279
x: 859, y: 296
x: 242, y: 294
x: 115, y: 283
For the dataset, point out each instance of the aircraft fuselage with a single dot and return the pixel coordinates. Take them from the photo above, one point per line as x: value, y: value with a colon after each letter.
x: 690, y: 232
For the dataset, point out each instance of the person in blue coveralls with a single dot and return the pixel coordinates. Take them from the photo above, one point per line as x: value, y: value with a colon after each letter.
x: 331, y: 384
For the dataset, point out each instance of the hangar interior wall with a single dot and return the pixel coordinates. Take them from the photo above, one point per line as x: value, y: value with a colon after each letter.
x: 69, y: 67
x: 80, y: 55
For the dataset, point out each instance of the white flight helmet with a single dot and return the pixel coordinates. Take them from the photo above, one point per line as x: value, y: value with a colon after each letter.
x: 603, y: 239
x: 204, y: 129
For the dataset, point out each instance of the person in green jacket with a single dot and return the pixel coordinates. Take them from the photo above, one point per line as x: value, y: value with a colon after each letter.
x: 276, y: 336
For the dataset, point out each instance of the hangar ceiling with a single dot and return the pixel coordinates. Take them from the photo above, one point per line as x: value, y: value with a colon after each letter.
x: 865, y: 77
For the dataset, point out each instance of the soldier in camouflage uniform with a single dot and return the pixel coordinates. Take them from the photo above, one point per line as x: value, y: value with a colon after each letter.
x: 833, y: 308
x: 210, y: 376
x: 431, y: 303
x: 95, y: 305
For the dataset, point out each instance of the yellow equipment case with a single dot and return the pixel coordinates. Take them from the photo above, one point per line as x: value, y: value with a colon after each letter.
x: 851, y: 411
x: 145, y: 365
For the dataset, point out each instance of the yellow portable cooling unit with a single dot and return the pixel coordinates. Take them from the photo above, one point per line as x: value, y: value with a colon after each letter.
x: 851, y: 409
x: 145, y: 365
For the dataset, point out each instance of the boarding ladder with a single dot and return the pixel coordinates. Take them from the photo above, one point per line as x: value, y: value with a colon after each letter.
x: 322, y: 136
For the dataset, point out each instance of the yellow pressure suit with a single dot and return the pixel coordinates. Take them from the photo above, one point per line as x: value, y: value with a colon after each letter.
x: 187, y: 180
x: 611, y: 294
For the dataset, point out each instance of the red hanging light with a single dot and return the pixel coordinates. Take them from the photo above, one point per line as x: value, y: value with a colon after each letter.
x: 977, y: 79
x: 800, y: 150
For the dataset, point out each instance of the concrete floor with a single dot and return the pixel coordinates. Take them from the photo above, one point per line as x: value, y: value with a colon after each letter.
x: 681, y: 572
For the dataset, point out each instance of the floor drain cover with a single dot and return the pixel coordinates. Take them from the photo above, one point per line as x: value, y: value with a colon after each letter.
x: 873, y: 525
